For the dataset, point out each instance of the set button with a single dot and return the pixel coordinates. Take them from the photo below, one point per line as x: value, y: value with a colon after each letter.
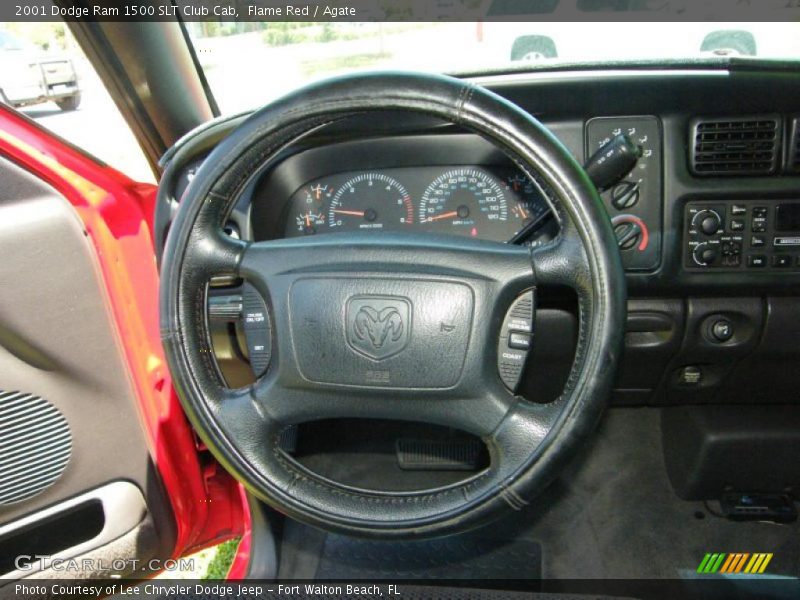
x: 519, y: 341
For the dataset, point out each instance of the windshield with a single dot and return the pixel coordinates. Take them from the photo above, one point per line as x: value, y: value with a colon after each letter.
x: 248, y: 64
x: 9, y: 42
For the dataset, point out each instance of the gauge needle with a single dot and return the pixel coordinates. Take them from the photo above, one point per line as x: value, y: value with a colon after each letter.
x: 308, y: 220
x: 355, y: 213
x: 447, y: 215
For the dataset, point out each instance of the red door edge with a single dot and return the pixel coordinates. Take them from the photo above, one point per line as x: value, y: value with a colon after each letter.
x: 208, y: 504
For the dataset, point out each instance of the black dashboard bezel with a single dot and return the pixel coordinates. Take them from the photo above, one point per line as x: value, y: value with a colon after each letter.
x: 271, y: 196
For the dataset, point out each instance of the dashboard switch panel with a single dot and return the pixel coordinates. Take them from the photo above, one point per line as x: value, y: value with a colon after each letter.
x: 515, y: 340
x: 634, y: 204
x: 746, y: 235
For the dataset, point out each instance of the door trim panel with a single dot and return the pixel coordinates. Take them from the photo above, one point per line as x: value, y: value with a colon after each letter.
x: 124, y: 508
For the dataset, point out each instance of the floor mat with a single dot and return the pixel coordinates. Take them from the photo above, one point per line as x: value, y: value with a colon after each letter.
x: 459, y: 557
x: 613, y: 514
x: 308, y: 553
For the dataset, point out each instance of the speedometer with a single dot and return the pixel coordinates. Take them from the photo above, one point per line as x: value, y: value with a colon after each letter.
x: 465, y: 201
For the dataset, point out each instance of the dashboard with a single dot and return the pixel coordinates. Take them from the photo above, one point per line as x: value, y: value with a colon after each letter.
x: 469, y: 200
x: 707, y: 223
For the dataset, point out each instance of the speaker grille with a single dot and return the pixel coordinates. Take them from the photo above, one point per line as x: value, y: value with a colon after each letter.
x: 35, y: 446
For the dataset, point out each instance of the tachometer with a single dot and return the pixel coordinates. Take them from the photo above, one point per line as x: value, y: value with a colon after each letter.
x: 465, y: 201
x: 370, y: 201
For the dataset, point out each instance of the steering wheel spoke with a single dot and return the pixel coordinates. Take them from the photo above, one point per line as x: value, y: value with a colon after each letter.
x: 563, y: 262
x: 471, y: 413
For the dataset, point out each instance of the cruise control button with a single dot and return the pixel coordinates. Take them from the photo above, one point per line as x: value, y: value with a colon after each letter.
x: 519, y: 341
x: 515, y: 340
x: 520, y: 315
x: 257, y: 329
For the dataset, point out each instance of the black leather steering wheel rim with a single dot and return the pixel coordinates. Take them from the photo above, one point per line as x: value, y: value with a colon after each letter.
x: 528, y: 443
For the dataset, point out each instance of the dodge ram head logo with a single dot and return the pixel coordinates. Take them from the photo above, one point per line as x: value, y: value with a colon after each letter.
x: 378, y: 326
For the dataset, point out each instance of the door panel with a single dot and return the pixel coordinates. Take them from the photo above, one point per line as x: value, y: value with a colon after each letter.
x: 58, y: 343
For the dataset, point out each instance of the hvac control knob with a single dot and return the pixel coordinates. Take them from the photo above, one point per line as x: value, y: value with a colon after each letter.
x: 707, y: 221
x: 704, y: 254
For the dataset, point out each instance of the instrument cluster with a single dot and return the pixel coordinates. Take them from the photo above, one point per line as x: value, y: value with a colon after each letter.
x: 492, y: 203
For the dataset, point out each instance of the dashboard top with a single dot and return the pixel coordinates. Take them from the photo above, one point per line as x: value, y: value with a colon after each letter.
x: 423, y: 175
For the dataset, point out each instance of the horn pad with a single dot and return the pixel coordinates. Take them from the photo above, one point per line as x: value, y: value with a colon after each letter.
x: 408, y: 333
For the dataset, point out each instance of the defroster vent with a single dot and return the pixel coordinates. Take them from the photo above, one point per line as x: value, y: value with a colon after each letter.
x: 736, y: 146
x: 35, y: 446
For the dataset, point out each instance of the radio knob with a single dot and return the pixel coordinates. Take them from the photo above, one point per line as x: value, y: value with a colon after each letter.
x: 707, y: 221
x: 704, y: 254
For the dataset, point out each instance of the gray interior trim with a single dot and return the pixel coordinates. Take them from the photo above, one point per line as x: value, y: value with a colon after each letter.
x: 59, y: 341
x: 123, y: 508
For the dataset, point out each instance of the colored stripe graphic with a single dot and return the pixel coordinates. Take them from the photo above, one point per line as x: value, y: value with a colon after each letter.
x: 765, y: 563
x: 711, y: 562
x: 721, y: 562
x: 704, y: 563
x: 737, y: 566
x: 726, y: 566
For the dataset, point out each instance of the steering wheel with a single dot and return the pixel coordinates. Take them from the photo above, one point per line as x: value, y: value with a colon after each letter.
x: 359, y: 319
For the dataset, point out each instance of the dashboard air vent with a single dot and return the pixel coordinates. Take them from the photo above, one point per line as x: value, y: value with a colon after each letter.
x: 793, y: 161
x: 736, y: 146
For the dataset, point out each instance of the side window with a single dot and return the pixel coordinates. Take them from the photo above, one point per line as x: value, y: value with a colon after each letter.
x: 44, y: 74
